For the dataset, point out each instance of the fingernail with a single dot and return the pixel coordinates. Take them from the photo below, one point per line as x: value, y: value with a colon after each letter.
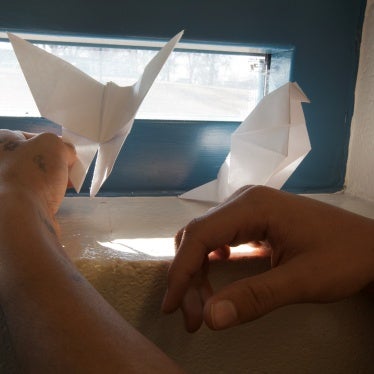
x: 223, y: 314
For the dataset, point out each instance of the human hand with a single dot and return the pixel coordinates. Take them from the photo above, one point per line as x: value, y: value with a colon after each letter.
x: 41, y: 285
x: 35, y: 163
x: 319, y: 253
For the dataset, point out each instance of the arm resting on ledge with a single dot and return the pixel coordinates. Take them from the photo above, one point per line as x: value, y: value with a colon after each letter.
x: 57, y: 321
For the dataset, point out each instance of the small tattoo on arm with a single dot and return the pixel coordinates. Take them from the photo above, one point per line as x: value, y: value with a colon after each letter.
x: 40, y: 162
x: 10, y: 146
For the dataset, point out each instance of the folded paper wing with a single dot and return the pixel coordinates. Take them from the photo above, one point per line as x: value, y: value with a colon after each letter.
x: 265, y: 149
x: 96, y: 118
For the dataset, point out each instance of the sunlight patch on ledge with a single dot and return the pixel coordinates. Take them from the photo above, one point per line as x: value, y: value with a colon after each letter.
x: 157, y: 247
x: 154, y: 247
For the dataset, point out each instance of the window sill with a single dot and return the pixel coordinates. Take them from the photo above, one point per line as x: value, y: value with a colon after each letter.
x: 320, y: 337
x: 142, y: 228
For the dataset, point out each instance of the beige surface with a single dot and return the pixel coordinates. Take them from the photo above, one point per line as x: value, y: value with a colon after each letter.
x: 331, y: 338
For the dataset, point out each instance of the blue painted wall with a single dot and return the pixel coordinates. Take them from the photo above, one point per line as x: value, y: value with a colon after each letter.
x: 165, y: 157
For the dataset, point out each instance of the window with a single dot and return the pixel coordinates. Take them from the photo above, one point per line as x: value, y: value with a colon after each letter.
x: 198, y: 82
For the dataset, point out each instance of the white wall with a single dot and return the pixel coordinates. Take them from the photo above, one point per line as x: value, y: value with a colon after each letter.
x: 360, y: 168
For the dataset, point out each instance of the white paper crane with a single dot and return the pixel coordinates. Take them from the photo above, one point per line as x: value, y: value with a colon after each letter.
x: 94, y: 117
x: 265, y: 149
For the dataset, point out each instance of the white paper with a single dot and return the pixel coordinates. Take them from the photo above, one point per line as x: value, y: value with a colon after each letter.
x: 96, y: 118
x: 265, y: 149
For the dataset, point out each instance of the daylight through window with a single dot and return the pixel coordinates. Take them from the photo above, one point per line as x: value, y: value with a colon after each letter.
x: 195, y: 84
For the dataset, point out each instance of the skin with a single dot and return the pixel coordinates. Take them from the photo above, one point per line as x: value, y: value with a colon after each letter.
x: 319, y: 253
x: 58, y: 323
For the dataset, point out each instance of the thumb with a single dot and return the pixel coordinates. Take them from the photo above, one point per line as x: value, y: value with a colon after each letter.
x: 251, y: 298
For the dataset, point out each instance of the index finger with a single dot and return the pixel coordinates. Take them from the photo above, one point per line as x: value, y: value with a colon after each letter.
x: 237, y: 221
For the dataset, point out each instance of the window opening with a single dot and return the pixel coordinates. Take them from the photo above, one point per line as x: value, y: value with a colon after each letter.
x: 199, y: 81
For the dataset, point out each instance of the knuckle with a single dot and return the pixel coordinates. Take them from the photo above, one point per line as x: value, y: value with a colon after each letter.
x: 192, y: 227
x: 244, y: 189
x: 259, y: 198
x: 50, y: 138
x: 258, y: 300
x: 194, y: 233
x: 257, y: 191
x: 49, y: 143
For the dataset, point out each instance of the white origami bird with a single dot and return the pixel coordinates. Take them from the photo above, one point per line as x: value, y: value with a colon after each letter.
x: 265, y: 149
x: 94, y: 117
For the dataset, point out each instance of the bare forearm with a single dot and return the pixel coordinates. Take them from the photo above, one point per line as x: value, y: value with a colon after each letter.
x: 57, y: 321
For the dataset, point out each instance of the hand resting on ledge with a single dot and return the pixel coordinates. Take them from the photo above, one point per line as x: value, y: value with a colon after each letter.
x: 319, y: 253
